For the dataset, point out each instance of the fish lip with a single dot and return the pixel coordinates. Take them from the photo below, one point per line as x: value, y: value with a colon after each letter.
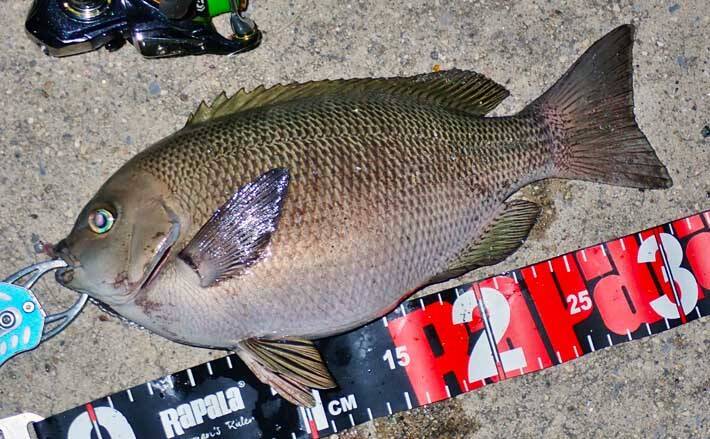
x: 161, y: 257
x: 71, y: 263
x: 61, y: 251
x: 64, y: 275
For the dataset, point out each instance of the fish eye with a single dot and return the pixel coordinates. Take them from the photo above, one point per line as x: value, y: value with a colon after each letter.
x: 101, y: 221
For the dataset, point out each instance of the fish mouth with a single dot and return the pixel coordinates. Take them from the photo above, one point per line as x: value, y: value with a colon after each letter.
x: 61, y: 251
x: 64, y: 276
x: 160, y: 258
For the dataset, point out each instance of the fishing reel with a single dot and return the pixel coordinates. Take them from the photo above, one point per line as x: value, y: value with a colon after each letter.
x: 70, y: 27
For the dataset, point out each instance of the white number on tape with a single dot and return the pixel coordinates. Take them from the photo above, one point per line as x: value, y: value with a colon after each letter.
x: 685, y: 279
x: 401, y: 354
x: 579, y: 302
x: 482, y: 362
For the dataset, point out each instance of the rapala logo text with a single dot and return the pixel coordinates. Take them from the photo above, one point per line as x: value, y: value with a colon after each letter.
x: 185, y: 416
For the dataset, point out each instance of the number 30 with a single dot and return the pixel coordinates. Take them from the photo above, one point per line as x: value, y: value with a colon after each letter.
x: 686, y: 281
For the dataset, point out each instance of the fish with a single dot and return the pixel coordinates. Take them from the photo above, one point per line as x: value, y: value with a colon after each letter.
x: 282, y: 215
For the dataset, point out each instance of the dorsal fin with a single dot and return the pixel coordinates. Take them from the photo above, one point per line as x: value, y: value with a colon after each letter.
x: 460, y: 90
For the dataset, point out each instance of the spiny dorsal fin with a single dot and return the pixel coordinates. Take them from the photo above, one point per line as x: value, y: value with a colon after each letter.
x: 454, y: 89
x: 503, y: 236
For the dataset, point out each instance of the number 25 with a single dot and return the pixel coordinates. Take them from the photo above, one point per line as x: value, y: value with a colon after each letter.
x: 579, y: 302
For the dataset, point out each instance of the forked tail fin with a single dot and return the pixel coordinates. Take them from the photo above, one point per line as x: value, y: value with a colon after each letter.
x: 590, y: 113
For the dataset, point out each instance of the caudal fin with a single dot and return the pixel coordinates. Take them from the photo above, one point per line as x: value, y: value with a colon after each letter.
x: 590, y: 113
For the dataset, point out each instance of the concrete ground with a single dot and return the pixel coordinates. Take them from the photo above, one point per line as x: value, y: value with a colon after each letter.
x: 69, y: 123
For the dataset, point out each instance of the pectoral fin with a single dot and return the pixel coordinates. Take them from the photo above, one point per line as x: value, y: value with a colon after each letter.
x: 238, y: 232
x: 291, y: 366
x: 503, y: 236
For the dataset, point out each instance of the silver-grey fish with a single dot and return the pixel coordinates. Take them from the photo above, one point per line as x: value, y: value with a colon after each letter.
x: 282, y: 215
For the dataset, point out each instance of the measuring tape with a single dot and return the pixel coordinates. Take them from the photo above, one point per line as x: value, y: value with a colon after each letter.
x: 435, y: 347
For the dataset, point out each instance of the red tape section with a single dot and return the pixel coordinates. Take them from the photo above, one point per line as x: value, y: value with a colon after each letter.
x: 435, y: 347
x: 557, y: 310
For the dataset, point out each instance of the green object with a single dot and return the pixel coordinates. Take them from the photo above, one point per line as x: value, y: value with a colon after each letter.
x: 219, y: 7
x: 211, y: 9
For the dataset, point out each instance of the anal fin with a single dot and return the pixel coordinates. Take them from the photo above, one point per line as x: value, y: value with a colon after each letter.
x: 503, y: 236
x: 291, y: 366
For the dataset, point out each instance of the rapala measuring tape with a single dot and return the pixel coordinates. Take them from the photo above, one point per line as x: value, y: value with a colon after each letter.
x: 432, y: 348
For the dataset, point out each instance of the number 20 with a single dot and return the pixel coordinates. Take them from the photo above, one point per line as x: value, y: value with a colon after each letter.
x: 482, y: 363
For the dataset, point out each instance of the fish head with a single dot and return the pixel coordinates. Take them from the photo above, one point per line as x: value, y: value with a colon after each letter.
x: 121, y: 239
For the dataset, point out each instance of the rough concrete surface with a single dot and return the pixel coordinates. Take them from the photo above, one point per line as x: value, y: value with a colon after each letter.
x: 69, y: 123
